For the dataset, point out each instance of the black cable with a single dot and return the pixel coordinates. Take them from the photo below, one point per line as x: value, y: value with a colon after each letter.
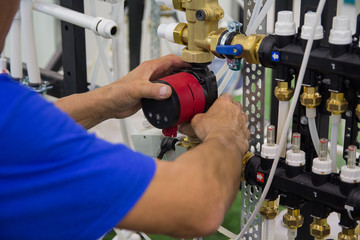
x: 167, y: 144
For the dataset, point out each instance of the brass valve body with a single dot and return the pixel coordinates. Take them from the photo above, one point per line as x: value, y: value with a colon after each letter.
x: 336, y: 104
x: 283, y: 92
x: 319, y: 228
x: 195, y: 35
x: 293, y: 219
x: 189, y: 142
x: 269, y: 210
x: 348, y: 234
x: 310, y: 98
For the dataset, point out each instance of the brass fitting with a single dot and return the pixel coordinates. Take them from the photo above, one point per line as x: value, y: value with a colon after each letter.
x: 293, y: 219
x: 203, y: 17
x: 319, y: 228
x: 189, y: 142
x: 180, y: 34
x: 348, y: 234
x: 283, y: 92
x: 336, y: 104
x: 269, y: 210
x: 246, y: 158
x: 310, y: 98
x: 357, y: 111
x: 177, y: 5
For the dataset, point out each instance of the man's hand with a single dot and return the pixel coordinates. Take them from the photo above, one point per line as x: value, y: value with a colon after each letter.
x: 126, y: 93
x: 225, y: 117
x: 122, y: 98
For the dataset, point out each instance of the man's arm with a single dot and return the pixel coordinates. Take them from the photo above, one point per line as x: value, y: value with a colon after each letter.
x: 189, y: 197
x: 122, y: 98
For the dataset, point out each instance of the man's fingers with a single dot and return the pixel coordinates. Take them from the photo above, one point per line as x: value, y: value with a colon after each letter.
x: 156, y: 91
x: 164, y: 66
x: 187, y: 130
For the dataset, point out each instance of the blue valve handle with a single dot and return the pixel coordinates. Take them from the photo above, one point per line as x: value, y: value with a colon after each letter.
x: 234, y: 50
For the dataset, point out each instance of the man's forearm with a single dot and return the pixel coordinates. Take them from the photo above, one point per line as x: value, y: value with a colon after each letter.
x: 87, y: 109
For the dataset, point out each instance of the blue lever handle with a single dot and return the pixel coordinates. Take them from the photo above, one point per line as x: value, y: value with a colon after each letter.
x: 234, y: 50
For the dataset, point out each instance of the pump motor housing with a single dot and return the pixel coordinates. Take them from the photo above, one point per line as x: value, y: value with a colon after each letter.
x: 193, y: 91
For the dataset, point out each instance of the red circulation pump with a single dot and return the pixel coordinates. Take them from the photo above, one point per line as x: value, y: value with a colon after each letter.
x: 193, y: 91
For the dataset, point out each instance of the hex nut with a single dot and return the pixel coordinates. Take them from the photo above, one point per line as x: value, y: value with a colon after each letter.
x: 283, y: 92
x: 319, y: 229
x: 310, y: 98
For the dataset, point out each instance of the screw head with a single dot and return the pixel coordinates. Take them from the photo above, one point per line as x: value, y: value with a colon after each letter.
x: 200, y: 15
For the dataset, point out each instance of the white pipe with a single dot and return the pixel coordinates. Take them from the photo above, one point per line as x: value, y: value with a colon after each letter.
x: 15, y: 48
x: 288, y: 119
x: 225, y: 81
x: 283, y: 111
x: 29, y: 41
x: 221, y: 71
x: 311, y: 114
x: 254, y: 14
x: 335, y: 121
x: 241, y: 3
x: 100, y: 26
x: 292, y: 233
x: 269, y: 229
x: 226, y: 232
x: 259, y: 18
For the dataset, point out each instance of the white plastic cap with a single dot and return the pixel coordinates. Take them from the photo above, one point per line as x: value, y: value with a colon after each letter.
x: 105, y: 27
x: 285, y: 25
x: 310, y: 18
x: 321, y: 167
x: 340, y: 33
x: 295, y: 159
x: 269, y: 152
x: 167, y: 31
x: 167, y: 3
x: 350, y: 175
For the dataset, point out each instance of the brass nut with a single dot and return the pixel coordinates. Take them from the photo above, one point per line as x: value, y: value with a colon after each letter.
x: 178, y: 5
x: 348, y: 234
x: 178, y: 33
x: 197, y: 56
x: 358, y: 111
x: 292, y: 219
x: 251, y: 45
x: 246, y: 158
x: 310, y: 98
x: 189, y: 142
x: 336, y: 104
x: 269, y: 210
x: 283, y: 92
x: 319, y: 228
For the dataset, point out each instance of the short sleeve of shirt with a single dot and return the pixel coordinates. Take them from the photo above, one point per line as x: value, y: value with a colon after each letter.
x: 57, y: 181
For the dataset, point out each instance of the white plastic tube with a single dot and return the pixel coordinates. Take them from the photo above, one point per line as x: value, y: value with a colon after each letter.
x: 283, y: 111
x: 29, y: 41
x: 260, y: 17
x: 225, y: 81
x: 15, y: 48
x: 292, y: 233
x: 288, y: 119
x: 100, y: 26
x: 226, y: 232
x: 335, y: 121
x: 269, y: 229
x: 255, y: 12
x: 311, y: 114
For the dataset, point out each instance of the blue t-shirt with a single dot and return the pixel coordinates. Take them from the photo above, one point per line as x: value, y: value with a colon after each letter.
x: 57, y: 181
